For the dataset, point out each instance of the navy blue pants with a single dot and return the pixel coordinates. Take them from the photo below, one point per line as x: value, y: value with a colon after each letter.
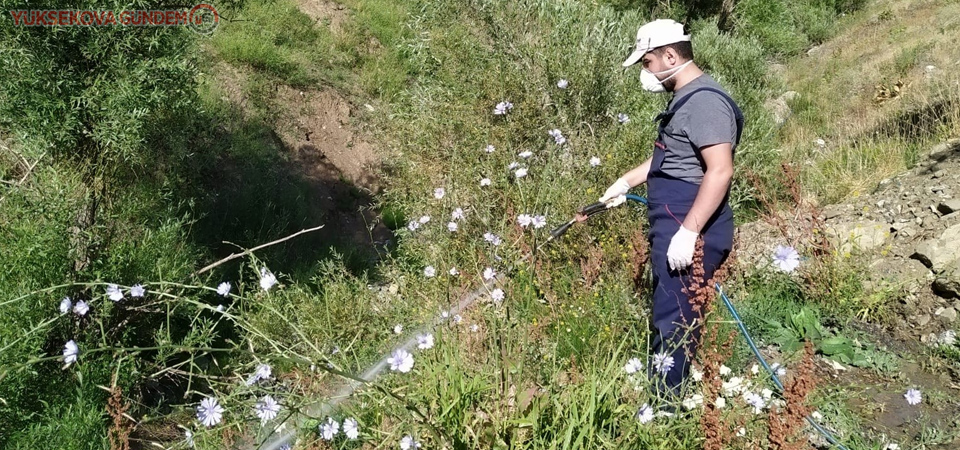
x: 673, y: 316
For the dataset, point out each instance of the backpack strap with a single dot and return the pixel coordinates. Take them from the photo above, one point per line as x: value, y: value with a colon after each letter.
x: 738, y: 115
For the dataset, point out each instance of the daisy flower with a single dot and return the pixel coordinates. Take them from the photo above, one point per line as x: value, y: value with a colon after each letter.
x: 267, y: 279
x: 786, y: 258
x: 425, y: 341
x: 223, y: 289
x: 266, y: 409
x: 401, y: 360
x: 70, y: 352
x: 210, y: 412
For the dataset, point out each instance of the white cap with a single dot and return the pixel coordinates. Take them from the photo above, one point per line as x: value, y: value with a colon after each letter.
x: 655, y: 34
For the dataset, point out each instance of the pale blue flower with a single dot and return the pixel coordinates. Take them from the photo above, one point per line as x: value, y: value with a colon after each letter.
x: 594, y: 161
x: 489, y: 273
x: 502, y: 108
x: 521, y: 172
x: 413, y: 225
x: 266, y: 409
x: 439, y: 192
x: 114, y: 292
x: 429, y: 272
x: 329, y: 429
x: 210, y: 412
x: 485, y: 182
x: 913, y: 397
x: 492, y: 238
x: 81, y: 308
x: 425, y: 341
x: 525, y: 154
x: 633, y: 366
x: 524, y: 220
x: 224, y: 289
x: 497, y: 295
x: 452, y: 227
x: 65, y: 305
x: 263, y: 372
x: 786, y: 258
x: 557, y: 136
x: 137, y: 290
x: 409, y: 443
x: 539, y: 221
x: 401, y: 360
x: 351, y: 428
x: 489, y: 148
x: 663, y: 362
x: 267, y: 279
x: 457, y: 214
x: 70, y: 352
x: 645, y: 414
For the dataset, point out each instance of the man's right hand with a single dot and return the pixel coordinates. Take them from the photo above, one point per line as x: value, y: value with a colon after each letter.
x: 616, y: 193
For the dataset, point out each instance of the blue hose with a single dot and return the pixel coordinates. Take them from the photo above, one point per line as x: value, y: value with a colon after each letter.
x: 756, y: 352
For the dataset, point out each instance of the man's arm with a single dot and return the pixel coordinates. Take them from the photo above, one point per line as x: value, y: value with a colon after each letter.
x: 713, y: 188
x: 638, y: 175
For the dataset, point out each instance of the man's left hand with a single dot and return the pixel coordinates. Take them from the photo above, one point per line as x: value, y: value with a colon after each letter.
x: 680, y: 252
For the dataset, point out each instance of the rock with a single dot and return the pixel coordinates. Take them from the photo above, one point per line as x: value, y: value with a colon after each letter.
x: 949, y: 206
x: 943, y: 149
x: 866, y: 235
x: 922, y: 320
x: 947, y: 283
x: 938, y: 253
x: 790, y: 96
x: 908, y: 275
x: 948, y: 315
x: 779, y: 109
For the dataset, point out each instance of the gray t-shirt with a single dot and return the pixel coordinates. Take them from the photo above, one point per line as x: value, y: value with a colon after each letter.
x: 705, y: 119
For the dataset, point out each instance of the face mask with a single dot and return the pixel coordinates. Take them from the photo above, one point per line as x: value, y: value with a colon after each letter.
x: 651, y: 83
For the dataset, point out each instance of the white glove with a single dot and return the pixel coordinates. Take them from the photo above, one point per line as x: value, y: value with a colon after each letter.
x: 616, y: 194
x: 680, y: 252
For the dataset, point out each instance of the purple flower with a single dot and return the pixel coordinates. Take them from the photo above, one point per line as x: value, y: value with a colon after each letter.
x: 786, y: 258
x: 913, y: 397
x: 663, y: 362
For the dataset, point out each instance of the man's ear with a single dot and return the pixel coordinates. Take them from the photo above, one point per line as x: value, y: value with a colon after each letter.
x: 671, y: 56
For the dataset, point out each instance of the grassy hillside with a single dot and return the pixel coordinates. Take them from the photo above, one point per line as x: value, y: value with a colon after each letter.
x: 538, y: 361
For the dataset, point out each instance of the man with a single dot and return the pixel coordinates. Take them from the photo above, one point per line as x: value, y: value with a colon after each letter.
x: 688, y: 183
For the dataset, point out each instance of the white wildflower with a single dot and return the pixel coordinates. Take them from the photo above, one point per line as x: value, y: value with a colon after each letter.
x: 267, y: 279
x: 563, y: 83
x: 81, y: 308
x: 457, y: 214
x: 754, y: 369
x: 513, y: 165
x: 489, y: 273
x: 397, y: 329
x: 263, y: 372
x: 913, y: 397
x: 485, y: 182
x: 454, y: 272
x: 645, y: 414
x: 457, y: 318
x: 623, y: 118
x: 663, y: 362
x: 439, y: 192
x: 525, y: 154
x: 70, y: 352
x: 429, y: 272
x: 633, y: 366
x: 452, y: 227
x: 491, y: 238
x: 329, y: 429
x: 693, y: 402
x: 489, y: 149
x: 65, y: 305
x: 497, y: 295
x: 786, y: 258
x: 210, y: 412
x: 425, y: 341
x: 524, y: 220
x: 351, y: 428
x: 137, y: 290
x: 401, y: 360
x: 594, y: 161
x: 266, y: 409
x: 539, y: 221
x: 413, y: 225
x: 557, y: 136
x: 521, y: 172
x: 720, y: 403
x: 724, y: 370
x: 114, y: 292
x: 424, y: 219
x: 224, y: 289
x: 474, y: 328
x: 696, y: 374
x: 409, y: 443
